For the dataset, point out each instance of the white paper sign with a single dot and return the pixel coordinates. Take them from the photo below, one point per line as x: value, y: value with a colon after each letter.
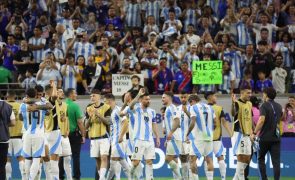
x: 121, y: 83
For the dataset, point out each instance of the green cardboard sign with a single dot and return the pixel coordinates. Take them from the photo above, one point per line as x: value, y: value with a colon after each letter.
x: 207, y: 72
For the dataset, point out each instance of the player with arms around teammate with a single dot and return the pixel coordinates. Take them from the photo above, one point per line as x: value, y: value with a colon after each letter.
x: 242, y: 112
x: 203, y: 117
x: 184, y: 123
x: 118, y: 154
x: 98, y: 118
x: 66, y: 152
x: 32, y: 113
x: 218, y: 148
x: 144, y: 127
x: 15, y: 143
x: 173, y: 142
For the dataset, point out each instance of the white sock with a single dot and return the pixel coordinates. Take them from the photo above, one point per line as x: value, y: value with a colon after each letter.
x: 34, y: 168
x: 240, y: 170
x: 21, y: 165
x: 47, y: 169
x: 136, y: 171
x: 54, y: 169
x: 102, y: 173
x: 205, y: 168
x: 68, y: 167
x: 126, y: 168
x: 112, y: 169
x: 174, y: 166
x: 38, y: 177
x: 8, y: 170
x: 236, y: 177
x: 27, y: 168
x: 210, y: 175
x: 195, y: 176
x: 149, y: 172
x: 118, y: 170
x: 222, y: 169
x: 184, y: 170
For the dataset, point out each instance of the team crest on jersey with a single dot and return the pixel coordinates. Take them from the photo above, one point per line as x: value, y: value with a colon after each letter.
x: 146, y: 118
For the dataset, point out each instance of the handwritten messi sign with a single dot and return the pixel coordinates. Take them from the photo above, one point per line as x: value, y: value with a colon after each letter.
x: 207, y: 72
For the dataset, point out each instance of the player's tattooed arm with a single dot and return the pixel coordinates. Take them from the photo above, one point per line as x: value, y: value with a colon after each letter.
x: 155, y: 131
x: 123, y: 130
x: 175, y: 125
x: 191, y: 125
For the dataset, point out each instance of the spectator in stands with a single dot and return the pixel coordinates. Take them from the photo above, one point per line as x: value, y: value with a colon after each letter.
x: 93, y: 76
x: 132, y: 14
x: 114, y: 64
x: 100, y: 11
x: 263, y: 82
x: 150, y: 26
x: 230, y: 22
x: 191, y: 56
x: 189, y: 16
x: 65, y: 18
x: 24, y: 59
x: 243, y: 31
x: 151, y: 8
x: 261, y: 61
x: 182, y: 79
x: 30, y: 81
x: 16, y: 20
x: 162, y: 77
x: 279, y: 75
x: 37, y: 44
x: 107, y: 87
x: 74, y: 30
x: 165, y: 11
x: 47, y: 72
x: 117, y: 21
x: 172, y: 22
x: 190, y: 36
x: 292, y: 80
x: 8, y: 52
x: 247, y: 80
x: 69, y: 72
x: 55, y: 50
x: 286, y: 47
x: 149, y: 63
x: 5, y: 74
x: 126, y: 67
x: 18, y: 34
x: 127, y: 53
x: 228, y: 79
x: 288, y: 121
x: 81, y: 65
x: 137, y: 68
x: 81, y: 46
x: 247, y: 56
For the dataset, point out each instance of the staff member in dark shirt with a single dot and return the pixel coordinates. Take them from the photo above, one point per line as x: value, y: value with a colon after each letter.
x: 7, y: 118
x: 268, y: 132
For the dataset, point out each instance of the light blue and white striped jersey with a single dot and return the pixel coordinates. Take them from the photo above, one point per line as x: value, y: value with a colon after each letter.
x: 116, y: 125
x: 169, y: 57
x: 130, y: 115
x: 33, y: 122
x: 178, y: 53
x: 143, y: 124
x: 184, y: 121
x: 152, y: 8
x: 148, y: 73
x: 70, y: 33
x: 237, y: 63
x: 204, y: 115
x: 171, y: 113
x: 213, y: 4
x: 114, y: 55
x: 69, y: 79
x: 133, y: 14
x: 287, y: 57
x: 29, y: 83
x: 226, y: 82
x: 133, y: 60
x: 58, y: 53
x: 244, y: 37
x: 66, y: 22
x: 165, y: 12
x: 84, y: 49
x: 190, y: 18
x: 189, y: 58
x: 38, y: 54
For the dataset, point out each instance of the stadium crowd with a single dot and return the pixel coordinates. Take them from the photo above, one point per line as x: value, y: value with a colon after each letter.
x: 75, y: 41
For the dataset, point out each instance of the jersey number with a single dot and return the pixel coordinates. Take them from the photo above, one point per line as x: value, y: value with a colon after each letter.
x: 34, y: 115
x: 136, y: 149
x: 242, y: 144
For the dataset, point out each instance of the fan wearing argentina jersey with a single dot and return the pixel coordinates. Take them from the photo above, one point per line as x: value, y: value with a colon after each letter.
x: 52, y: 131
x: 144, y: 127
x: 242, y: 147
x: 32, y: 113
x: 118, y: 144
x: 184, y: 109
x: 173, y: 141
x: 15, y: 143
x: 63, y: 121
x: 98, y: 120
x: 218, y: 148
x: 203, y: 116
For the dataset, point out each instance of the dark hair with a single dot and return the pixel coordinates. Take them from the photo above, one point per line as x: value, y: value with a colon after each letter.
x: 69, y: 92
x: 285, y: 33
x: 246, y: 87
x: 263, y: 43
x: 279, y: 55
x: 207, y: 94
x: 145, y: 94
x: 227, y: 72
x: 270, y: 93
x: 70, y: 55
x: 38, y: 27
x: 11, y: 93
x: 109, y: 96
x: 30, y: 70
x: 133, y: 93
x: 11, y: 35
x: 264, y: 29
x: 182, y: 92
x: 169, y: 93
x: 247, y: 72
x: 171, y: 10
x: 48, y: 87
x: 31, y: 92
x: 135, y: 77
x: 194, y: 97
x: 39, y: 88
x: 291, y: 97
x: 163, y: 109
x: 95, y: 91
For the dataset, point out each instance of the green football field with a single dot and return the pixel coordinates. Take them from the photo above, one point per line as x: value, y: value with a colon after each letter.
x: 203, y: 178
